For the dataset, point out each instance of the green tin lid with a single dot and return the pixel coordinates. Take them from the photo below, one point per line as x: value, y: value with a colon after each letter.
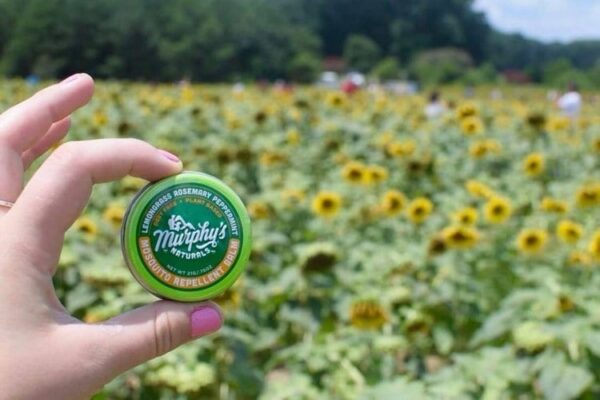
x: 186, y: 237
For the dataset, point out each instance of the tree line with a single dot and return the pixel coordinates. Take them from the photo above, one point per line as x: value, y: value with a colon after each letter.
x: 435, y: 41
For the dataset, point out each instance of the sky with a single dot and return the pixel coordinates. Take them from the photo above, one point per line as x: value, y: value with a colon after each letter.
x: 547, y: 20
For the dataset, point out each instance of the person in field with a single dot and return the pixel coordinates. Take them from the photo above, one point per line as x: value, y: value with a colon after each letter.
x: 571, y: 102
x: 436, y: 107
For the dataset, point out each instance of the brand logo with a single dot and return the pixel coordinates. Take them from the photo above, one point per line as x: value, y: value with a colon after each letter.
x: 189, y: 236
x: 183, y: 237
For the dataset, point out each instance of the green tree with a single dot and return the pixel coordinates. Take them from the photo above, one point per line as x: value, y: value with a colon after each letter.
x: 135, y: 47
x: 37, y: 39
x: 219, y: 40
x: 555, y: 69
x: 304, y: 68
x: 434, y: 67
x: 8, y: 16
x: 560, y: 73
x: 485, y: 73
x: 361, y: 53
x: 594, y: 75
x: 387, y: 69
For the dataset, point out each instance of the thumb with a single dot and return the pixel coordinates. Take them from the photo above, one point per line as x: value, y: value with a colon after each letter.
x: 150, y: 331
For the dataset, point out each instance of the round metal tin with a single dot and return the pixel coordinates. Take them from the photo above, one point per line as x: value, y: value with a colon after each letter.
x: 186, y: 237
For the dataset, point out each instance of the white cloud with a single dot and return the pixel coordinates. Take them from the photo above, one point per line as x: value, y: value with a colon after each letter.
x: 562, y: 20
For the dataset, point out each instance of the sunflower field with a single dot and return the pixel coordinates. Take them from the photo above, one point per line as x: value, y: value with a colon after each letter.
x: 394, y: 257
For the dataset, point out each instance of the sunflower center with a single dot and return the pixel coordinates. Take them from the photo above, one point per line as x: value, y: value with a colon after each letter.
x: 327, y: 203
x: 498, y: 210
x: 394, y: 203
x: 588, y: 195
x: 459, y: 236
x: 532, y: 240
x: 355, y: 174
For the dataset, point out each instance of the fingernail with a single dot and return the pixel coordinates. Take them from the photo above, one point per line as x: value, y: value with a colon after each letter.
x: 205, y: 320
x: 169, y: 156
x: 71, y: 78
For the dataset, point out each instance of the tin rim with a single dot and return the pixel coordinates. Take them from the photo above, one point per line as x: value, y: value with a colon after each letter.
x: 133, y: 258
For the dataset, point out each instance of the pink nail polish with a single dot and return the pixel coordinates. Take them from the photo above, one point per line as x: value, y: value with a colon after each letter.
x: 169, y: 156
x: 71, y: 78
x: 205, y: 320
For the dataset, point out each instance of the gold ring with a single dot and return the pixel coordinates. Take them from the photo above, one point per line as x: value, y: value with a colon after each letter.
x: 7, y: 204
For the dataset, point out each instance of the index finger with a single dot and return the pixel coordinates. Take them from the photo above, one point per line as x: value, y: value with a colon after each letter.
x: 58, y: 192
x: 22, y: 125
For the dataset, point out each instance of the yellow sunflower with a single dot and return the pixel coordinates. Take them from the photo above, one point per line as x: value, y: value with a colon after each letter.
x: 393, y: 203
x: 132, y: 184
x: 87, y: 227
x: 478, y: 189
x: 293, y: 136
x: 292, y: 196
x: 270, y: 158
x: 326, y: 204
x: 493, y: 146
x: 376, y: 173
x: 550, y: 204
x: 534, y: 164
x: 460, y: 237
x: 367, y: 315
x: 580, y: 258
x: 232, y: 120
x: 569, y: 231
x: 230, y: 300
x: 114, y: 214
x: 588, y: 195
x: 259, y: 210
x: 466, y: 110
x: 584, y: 123
x: 532, y: 241
x: 384, y: 138
x: 419, y: 209
x: 557, y: 124
x: 478, y: 149
x: 594, y: 246
x: 596, y: 145
x: 335, y: 99
x: 497, y: 210
x: 482, y: 148
x: 467, y: 216
x: 536, y: 120
x: 355, y: 172
x: 99, y: 119
x: 400, y: 148
x: 472, y: 126
x: 437, y: 245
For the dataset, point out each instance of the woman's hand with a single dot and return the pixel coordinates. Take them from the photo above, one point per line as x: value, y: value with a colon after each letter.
x: 44, y: 352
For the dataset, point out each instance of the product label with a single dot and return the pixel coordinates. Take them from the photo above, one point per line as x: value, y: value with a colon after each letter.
x: 189, y: 236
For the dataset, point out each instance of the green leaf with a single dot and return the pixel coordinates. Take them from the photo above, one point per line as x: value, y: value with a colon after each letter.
x: 592, y: 340
x: 560, y: 381
x: 79, y: 297
x: 443, y: 340
x: 496, y: 325
x: 401, y: 388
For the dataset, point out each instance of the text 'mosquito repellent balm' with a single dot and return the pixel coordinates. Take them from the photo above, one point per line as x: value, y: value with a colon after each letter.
x: 186, y: 237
